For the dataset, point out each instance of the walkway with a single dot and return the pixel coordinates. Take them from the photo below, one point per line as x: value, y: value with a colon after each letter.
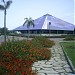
x: 57, y: 65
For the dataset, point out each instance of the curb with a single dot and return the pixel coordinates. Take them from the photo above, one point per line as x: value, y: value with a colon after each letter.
x: 68, y: 60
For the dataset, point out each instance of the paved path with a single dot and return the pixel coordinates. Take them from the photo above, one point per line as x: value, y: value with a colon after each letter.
x: 57, y: 65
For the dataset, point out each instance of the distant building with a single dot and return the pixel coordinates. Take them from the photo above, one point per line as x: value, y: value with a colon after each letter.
x: 48, y: 24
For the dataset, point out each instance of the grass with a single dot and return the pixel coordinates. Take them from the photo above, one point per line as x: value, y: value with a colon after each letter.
x: 69, y: 48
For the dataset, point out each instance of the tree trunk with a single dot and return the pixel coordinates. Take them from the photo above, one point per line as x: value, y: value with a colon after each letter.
x: 28, y: 34
x: 5, y: 26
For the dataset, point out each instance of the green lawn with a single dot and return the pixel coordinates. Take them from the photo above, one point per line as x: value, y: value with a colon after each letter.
x: 69, y: 47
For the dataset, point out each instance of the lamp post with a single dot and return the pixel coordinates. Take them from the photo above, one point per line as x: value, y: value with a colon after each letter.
x: 49, y: 28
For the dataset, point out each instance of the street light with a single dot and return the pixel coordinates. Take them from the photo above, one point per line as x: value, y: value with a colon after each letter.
x: 49, y: 28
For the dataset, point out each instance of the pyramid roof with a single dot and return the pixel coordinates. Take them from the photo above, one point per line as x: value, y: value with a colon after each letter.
x: 47, y: 22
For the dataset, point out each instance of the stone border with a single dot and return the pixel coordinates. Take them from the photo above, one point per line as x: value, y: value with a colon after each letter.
x: 68, y: 60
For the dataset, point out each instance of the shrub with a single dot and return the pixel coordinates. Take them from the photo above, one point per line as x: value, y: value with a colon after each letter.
x: 42, y: 41
x: 68, y: 38
x: 41, y: 54
x: 17, y: 57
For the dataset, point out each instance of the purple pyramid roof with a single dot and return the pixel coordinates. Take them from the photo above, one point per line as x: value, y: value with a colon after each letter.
x: 43, y: 23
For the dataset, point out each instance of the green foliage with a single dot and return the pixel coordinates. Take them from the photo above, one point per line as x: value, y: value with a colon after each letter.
x: 68, y: 38
x: 16, y: 57
x: 6, y: 5
x: 2, y: 31
x: 16, y: 47
x: 41, y: 54
x: 42, y: 41
x: 29, y: 22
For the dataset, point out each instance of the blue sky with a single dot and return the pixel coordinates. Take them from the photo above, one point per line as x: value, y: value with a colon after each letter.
x: 20, y: 9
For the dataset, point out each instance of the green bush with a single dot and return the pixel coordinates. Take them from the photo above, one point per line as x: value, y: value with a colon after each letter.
x: 68, y: 38
x: 41, y: 54
x: 42, y: 41
x: 16, y: 57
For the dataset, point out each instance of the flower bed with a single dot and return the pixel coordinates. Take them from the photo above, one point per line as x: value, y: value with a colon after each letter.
x: 17, y: 57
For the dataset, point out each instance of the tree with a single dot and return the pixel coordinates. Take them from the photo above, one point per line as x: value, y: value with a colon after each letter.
x: 29, y: 21
x: 4, y: 7
x: 2, y: 31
